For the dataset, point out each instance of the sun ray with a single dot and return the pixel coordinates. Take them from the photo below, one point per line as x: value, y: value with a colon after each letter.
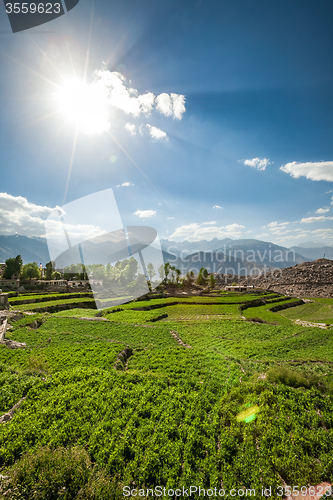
x: 71, y: 162
x: 42, y: 118
x: 89, y: 44
x: 31, y: 70
x: 137, y: 166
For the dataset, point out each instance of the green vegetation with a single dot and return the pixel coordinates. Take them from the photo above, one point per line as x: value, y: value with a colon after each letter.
x: 316, y: 312
x: 13, y: 267
x: 76, y: 313
x: 171, y: 392
x: 46, y: 297
x: 54, y: 305
x: 30, y: 271
x: 50, y: 266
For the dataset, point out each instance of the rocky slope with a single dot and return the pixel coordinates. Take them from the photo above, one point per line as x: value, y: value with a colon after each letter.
x: 309, y: 279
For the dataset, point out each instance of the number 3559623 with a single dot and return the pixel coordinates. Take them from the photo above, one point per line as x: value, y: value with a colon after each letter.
x: 32, y: 8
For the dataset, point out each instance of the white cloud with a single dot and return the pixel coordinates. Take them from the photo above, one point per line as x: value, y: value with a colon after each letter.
x: 322, y: 210
x: 145, y: 213
x: 146, y: 102
x: 78, y: 233
x: 310, y: 220
x: 197, y: 232
x: 171, y: 105
x: 208, y: 223
x: 300, y: 236
x: 323, y: 233
x: 316, y: 171
x: 164, y: 104
x: 178, y: 102
x: 18, y: 215
x: 125, y: 184
x: 276, y: 224
x: 281, y: 229
x: 121, y: 96
x: 170, y: 218
x: 258, y: 163
x: 131, y: 128
x: 89, y: 105
x: 218, y: 207
x: 277, y: 227
x: 156, y: 133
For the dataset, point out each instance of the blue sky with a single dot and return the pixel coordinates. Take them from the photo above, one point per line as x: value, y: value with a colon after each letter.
x: 236, y: 90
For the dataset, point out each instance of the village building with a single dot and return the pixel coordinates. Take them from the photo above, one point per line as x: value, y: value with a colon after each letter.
x: 12, y: 284
x: 52, y: 282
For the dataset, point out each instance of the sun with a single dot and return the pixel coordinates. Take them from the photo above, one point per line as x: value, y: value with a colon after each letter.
x: 85, y: 105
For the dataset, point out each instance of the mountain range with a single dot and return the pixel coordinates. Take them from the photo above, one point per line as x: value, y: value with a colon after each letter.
x: 201, y: 253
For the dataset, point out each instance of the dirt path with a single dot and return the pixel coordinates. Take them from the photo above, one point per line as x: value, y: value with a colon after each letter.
x: 309, y: 324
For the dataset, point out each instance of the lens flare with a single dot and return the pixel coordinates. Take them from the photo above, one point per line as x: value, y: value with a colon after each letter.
x: 248, y: 415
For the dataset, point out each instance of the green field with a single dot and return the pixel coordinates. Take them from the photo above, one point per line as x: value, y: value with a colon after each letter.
x: 320, y: 311
x: 184, y: 391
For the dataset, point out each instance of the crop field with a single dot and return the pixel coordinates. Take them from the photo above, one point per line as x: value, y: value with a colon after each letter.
x: 167, y: 392
x: 316, y: 312
x: 76, y: 313
x: 46, y: 297
x: 53, y: 304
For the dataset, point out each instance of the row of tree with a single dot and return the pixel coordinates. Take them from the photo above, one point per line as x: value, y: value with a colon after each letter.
x: 125, y: 272
x: 15, y: 267
x: 203, y: 278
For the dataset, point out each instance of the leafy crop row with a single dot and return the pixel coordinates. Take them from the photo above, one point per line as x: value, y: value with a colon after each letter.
x: 54, y: 305
x: 150, y: 429
x: 29, y: 299
x: 72, y: 330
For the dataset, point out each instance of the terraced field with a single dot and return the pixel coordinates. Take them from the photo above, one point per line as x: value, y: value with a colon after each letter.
x: 319, y: 311
x: 152, y: 393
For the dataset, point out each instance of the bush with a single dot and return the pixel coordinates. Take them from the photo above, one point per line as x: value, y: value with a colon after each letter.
x: 256, y: 320
x: 65, y: 474
x: 37, y: 366
x: 292, y: 378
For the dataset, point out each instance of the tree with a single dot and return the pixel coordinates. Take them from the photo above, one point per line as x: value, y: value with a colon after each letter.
x: 212, y: 280
x: 189, y: 278
x: 151, y: 271
x: 161, y: 272
x: 131, y: 269
x: 13, y: 267
x: 50, y: 266
x: 178, y: 273
x: 166, y: 271
x: 98, y: 271
x: 173, y: 270
x: 109, y: 271
x: 56, y: 275
x: 30, y: 271
x: 202, y: 277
